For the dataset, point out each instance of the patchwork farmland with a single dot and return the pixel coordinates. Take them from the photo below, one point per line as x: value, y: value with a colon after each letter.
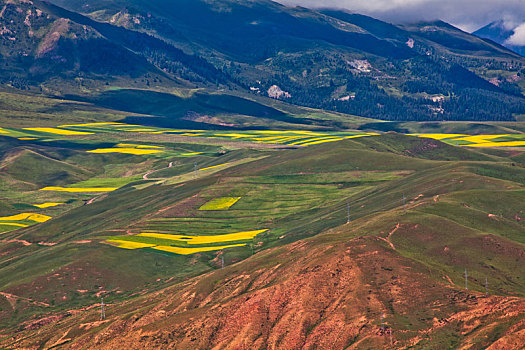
x: 130, y: 208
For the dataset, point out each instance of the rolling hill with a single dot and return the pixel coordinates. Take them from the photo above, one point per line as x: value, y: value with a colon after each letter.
x: 301, y: 275
x: 213, y: 175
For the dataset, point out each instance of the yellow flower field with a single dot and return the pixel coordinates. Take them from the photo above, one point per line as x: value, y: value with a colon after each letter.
x: 498, y: 144
x: 59, y: 131
x: 130, y: 245
x: 230, y: 237
x: 13, y: 224
x: 79, y: 189
x: 190, y: 154
x: 144, y: 240
x: 214, y: 166
x: 475, y: 140
x: 125, y: 150
x: 188, y: 251
x: 47, y: 205
x: 2, y: 131
x: 236, y: 136
x: 479, y: 138
x: 223, y: 203
x: 26, y: 216
x: 131, y: 145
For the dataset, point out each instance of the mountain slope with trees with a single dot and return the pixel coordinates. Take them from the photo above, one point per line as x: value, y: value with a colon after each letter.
x: 326, y: 59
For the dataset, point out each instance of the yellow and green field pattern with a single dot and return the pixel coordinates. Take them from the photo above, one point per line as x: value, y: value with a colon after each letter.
x: 284, y: 137
x: 287, y: 137
x: 503, y: 140
x: 13, y: 222
x: 222, y: 203
x: 184, y: 244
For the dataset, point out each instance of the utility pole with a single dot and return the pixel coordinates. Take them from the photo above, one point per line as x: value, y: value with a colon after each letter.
x: 404, y: 203
x: 222, y: 261
x: 102, y: 310
x: 486, y: 286
x: 466, y: 279
x: 195, y: 169
x: 382, y: 324
x: 348, y: 213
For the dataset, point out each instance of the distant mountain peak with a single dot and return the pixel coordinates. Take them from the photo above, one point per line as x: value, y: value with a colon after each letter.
x: 500, y: 32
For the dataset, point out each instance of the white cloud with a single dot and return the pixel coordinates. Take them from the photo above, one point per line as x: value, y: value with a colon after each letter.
x: 518, y: 38
x: 466, y: 14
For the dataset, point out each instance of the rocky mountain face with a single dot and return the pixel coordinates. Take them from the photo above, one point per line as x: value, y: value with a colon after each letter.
x: 330, y: 292
x: 38, y: 45
x: 324, y: 59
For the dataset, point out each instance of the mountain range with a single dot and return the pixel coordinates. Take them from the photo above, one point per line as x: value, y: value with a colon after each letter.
x: 238, y: 174
x: 500, y: 33
x: 326, y: 59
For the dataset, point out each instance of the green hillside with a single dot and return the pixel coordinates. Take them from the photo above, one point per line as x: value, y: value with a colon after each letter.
x: 326, y: 59
x: 237, y: 174
x: 151, y: 233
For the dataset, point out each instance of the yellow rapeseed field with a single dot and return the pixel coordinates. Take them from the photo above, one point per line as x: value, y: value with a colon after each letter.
x: 498, y: 144
x: 232, y: 135
x: 230, y: 237
x: 190, y: 154
x: 475, y: 140
x: 125, y: 150
x: 131, y: 145
x: 222, y: 203
x: 59, y: 131
x: 130, y: 245
x: 480, y: 138
x: 26, y: 216
x: 188, y: 251
x: 13, y: 224
x: 79, y: 189
x: 214, y: 166
x: 47, y: 205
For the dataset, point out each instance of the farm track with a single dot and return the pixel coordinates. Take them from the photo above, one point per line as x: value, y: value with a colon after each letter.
x: 145, y: 176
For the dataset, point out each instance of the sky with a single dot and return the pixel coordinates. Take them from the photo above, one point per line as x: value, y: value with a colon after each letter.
x: 468, y: 15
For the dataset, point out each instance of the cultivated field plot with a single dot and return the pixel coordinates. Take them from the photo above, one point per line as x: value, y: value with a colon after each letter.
x: 288, y: 137
x: 504, y: 140
x: 13, y: 222
x: 77, y: 163
x: 293, y: 138
x: 185, y: 244
x: 273, y: 204
x: 223, y: 203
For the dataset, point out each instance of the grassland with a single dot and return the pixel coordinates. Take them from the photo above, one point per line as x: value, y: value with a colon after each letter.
x: 131, y: 209
x: 149, y: 234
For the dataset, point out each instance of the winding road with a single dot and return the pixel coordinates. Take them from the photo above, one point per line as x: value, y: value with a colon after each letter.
x: 145, y: 176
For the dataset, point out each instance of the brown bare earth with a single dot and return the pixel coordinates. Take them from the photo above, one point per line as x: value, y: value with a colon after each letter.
x: 329, y: 292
